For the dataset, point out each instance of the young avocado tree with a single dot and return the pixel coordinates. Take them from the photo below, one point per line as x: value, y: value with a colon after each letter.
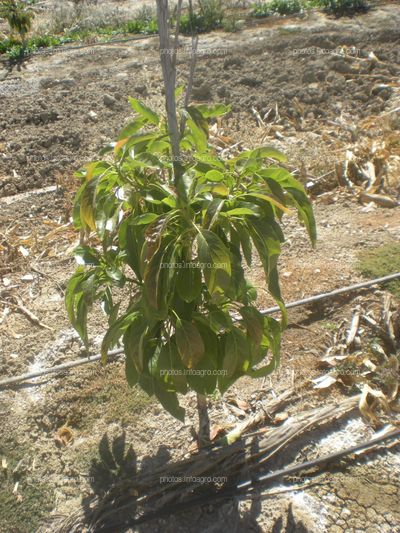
x: 19, y: 17
x: 169, y: 226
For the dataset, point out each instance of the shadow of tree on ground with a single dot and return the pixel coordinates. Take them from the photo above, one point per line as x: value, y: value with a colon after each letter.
x: 118, y: 484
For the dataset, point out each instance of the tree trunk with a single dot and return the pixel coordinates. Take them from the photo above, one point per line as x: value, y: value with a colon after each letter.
x: 203, y: 435
x: 168, y: 65
x: 168, y: 51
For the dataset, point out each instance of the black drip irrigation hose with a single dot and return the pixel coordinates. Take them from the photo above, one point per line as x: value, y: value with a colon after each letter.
x: 62, y: 48
x: 270, y: 310
x: 59, y: 368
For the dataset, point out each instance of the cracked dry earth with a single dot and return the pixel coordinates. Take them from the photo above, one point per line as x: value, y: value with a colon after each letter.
x: 55, y: 114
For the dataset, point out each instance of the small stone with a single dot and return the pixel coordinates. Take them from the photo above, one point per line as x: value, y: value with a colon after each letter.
x: 92, y: 116
x: 109, y: 101
x: 249, y: 81
x: 67, y: 82
x: 221, y: 91
x: 141, y: 89
x: 233, y: 62
x: 203, y: 92
x: 309, y: 76
x: 22, y: 250
x: 343, y: 67
x: 382, y: 90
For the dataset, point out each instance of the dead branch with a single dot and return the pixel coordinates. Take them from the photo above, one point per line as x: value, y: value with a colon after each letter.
x: 146, y: 497
x: 25, y: 311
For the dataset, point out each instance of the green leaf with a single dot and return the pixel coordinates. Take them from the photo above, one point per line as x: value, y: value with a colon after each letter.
x: 170, y: 402
x: 144, y: 219
x: 80, y: 294
x: 220, y: 320
x: 131, y: 373
x: 212, y: 212
x: 189, y: 342
x: 132, y: 128
x: 169, y: 368
x: 268, y: 199
x: 221, y: 189
x: 198, y: 135
x: 206, y: 160
x: 245, y: 241
x: 272, y: 331
x: 134, y: 337
x: 156, y: 273
x: 188, y: 283
x: 297, y: 194
x: 268, y: 152
x: 254, y: 323
x: 138, y: 143
x: 212, y: 111
x: 251, y: 292
x: 71, y: 292
x: 215, y: 261
x: 179, y: 90
x: 214, y: 175
x: 237, y: 353
x: 305, y: 212
x: 144, y: 111
x: 203, y: 379
x: 115, y: 332
x: 159, y: 147
x: 264, y: 235
x: 198, y: 128
x: 239, y: 211
x: 131, y: 240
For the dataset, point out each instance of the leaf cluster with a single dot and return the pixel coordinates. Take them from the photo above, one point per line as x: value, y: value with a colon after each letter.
x: 188, y: 319
x: 18, y: 15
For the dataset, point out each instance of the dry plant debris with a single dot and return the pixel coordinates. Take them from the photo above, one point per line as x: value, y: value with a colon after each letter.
x: 366, y: 357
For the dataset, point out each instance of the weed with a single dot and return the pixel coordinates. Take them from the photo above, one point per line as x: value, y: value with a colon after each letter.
x: 286, y: 7
x: 209, y: 17
x: 212, y: 12
x: 344, y: 7
x: 231, y: 23
x: 260, y: 10
x: 18, y: 16
x: 290, y: 7
x: 106, y: 397
x: 192, y: 23
x: 330, y: 326
x: 281, y: 7
x: 7, y: 44
x: 145, y: 14
x: 381, y: 261
x: 23, y: 510
x: 137, y: 26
